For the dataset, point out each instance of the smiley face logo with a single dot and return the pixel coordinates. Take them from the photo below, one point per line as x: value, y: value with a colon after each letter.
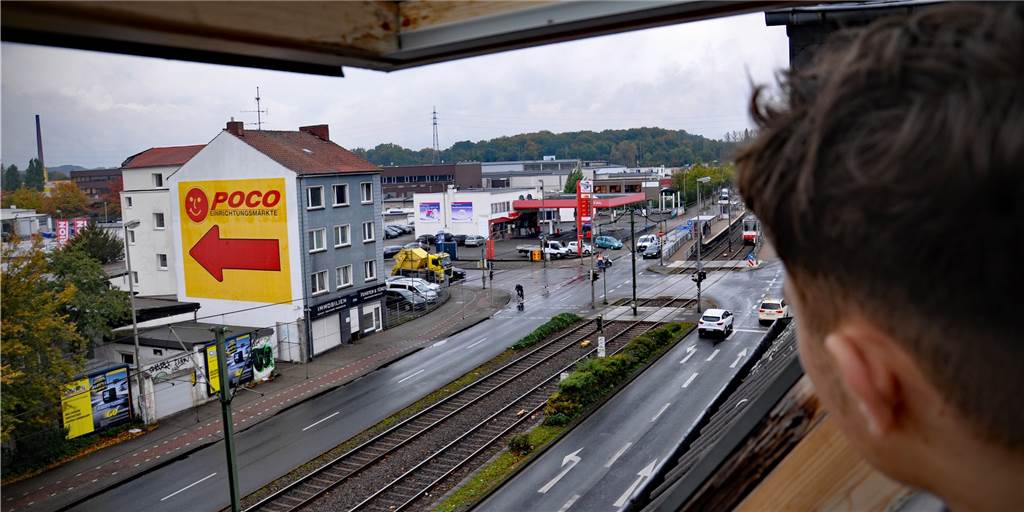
x: 196, y: 205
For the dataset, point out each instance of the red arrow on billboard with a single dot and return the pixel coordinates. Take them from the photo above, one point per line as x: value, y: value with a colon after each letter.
x: 216, y: 254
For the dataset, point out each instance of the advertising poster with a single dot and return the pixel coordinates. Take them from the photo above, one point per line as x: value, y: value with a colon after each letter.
x: 76, y: 408
x: 262, y: 358
x: 110, y: 398
x: 63, y: 232
x: 212, y: 370
x: 462, y: 211
x: 80, y: 223
x: 234, y: 239
x: 238, y: 355
x: 430, y: 212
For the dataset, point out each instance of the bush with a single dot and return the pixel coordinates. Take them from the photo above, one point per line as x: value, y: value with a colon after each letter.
x: 557, y: 420
x: 520, y: 444
x: 557, y: 323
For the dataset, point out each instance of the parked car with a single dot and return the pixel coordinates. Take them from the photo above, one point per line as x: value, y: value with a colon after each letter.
x: 391, y: 250
x: 475, y: 240
x: 433, y: 286
x: 644, y: 241
x: 652, y: 251
x: 413, y: 286
x: 573, y: 248
x: 607, y: 242
x: 407, y: 228
x: 416, y: 245
x: 427, y: 239
x: 715, y: 321
x: 771, y: 310
x: 460, y: 239
x: 554, y: 249
x: 403, y: 300
x: 392, y: 232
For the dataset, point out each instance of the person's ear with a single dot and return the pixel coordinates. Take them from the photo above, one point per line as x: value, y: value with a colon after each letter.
x: 870, y: 380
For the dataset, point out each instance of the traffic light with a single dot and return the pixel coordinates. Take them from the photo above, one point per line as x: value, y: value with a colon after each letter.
x: 699, y: 276
x: 600, y: 323
x: 594, y: 275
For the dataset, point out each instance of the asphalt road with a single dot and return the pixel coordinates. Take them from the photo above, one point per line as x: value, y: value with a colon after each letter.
x: 267, y: 450
x: 607, y: 458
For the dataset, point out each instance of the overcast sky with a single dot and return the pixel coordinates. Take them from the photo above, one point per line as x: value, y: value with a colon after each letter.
x: 98, y: 109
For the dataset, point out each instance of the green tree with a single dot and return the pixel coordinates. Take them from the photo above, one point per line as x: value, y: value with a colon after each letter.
x: 570, y: 181
x: 95, y: 307
x: 41, y: 349
x: 12, y: 179
x: 68, y: 198
x: 100, y: 244
x: 34, y: 177
x: 623, y: 153
x: 24, y: 198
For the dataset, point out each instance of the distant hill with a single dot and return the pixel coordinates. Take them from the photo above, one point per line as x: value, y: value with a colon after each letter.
x: 64, y: 169
x: 635, y: 146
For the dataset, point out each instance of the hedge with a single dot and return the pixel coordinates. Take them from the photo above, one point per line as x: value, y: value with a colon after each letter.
x: 557, y: 323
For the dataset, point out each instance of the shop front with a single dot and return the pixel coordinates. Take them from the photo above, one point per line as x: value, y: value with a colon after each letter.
x: 346, y: 318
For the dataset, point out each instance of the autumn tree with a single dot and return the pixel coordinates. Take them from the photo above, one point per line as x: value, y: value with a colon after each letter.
x: 100, y: 244
x: 95, y: 307
x: 112, y: 201
x: 34, y: 176
x: 24, y: 198
x: 12, y: 179
x: 68, y: 198
x: 624, y: 153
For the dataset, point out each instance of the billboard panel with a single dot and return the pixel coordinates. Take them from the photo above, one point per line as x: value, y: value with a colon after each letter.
x: 76, y: 408
x: 63, y: 231
x: 238, y: 355
x: 462, y: 211
x: 101, y: 400
x: 430, y: 212
x: 234, y: 239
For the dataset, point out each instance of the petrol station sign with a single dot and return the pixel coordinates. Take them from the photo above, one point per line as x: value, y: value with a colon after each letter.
x: 584, y: 211
x: 234, y: 239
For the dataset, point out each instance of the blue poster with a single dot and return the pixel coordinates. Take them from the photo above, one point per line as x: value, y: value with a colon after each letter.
x: 110, y: 398
x: 239, y: 355
x: 462, y: 211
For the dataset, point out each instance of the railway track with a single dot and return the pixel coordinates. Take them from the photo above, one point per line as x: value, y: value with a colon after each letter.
x: 365, y: 456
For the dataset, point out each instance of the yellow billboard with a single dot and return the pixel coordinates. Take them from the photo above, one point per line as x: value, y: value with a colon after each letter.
x: 234, y: 239
x: 76, y: 407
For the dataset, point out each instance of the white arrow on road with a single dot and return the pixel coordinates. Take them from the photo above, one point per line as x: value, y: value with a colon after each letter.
x: 568, y: 463
x: 644, y: 474
x: 741, y: 355
x: 689, y: 353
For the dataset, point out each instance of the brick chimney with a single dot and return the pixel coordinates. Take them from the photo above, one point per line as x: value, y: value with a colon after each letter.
x: 317, y: 130
x: 236, y: 128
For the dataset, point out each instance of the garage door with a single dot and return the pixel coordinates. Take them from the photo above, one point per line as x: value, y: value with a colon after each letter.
x: 326, y: 333
x: 173, y: 395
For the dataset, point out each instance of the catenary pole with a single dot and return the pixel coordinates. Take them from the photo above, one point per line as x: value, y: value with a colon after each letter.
x: 225, y: 409
x: 632, y: 242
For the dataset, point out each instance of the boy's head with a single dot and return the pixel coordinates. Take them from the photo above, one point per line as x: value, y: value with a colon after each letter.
x: 890, y: 180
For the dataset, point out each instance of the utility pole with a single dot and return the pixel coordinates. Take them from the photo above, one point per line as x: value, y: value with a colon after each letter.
x: 728, y: 222
x: 225, y: 409
x: 700, y: 240
x: 632, y: 242
x: 592, y: 274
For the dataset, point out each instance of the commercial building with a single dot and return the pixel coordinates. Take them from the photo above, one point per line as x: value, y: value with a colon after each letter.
x: 146, y: 198
x: 96, y: 183
x: 23, y: 222
x: 485, y: 212
x: 281, y: 229
x: 401, y: 182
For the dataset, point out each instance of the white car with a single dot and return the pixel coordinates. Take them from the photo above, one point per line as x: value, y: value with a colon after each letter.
x: 771, y: 310
x: 434, y: 287
x: 644, y: 241
x: 587, y: 249
x: 715, y: 321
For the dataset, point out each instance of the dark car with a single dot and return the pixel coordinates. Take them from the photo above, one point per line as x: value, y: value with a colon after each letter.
x: 391, y: 250
x: 427, y: 239
x: 392, y: 232
x: 403, y: 300
x: 652, y: 251
x: 406, y: 228
x: 458, y: 274
x: 460, y: 239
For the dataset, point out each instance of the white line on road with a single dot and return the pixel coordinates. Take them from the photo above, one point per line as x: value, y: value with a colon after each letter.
x: 415, y: 373
x: 442, y: 342
x: 656, y: 416
x: 713, y: 354
x: 569, y: 503
x: 315, y: 423
x: 617, y: 455
x: 690, y: 380
x: 187, y: 487
x: 689, y: 353
x: 760, y: 331
x: 477, y: 342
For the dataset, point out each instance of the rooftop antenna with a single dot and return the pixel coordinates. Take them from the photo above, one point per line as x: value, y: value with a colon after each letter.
x: 259, y: 113
x: 436, y: 145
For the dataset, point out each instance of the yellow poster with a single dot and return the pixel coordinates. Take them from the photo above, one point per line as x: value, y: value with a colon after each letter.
x: 234, y: 239
x: 76, y: 407
x: 212, y: 369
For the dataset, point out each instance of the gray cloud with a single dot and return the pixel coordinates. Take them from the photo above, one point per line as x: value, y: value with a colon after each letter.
x: 97, y: 109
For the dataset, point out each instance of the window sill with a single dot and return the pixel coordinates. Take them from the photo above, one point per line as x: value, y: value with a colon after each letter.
x: 314, y: 251
x: 160, y: 229
x: 342, y: 246
x: 163, y: 269
x: 341, y: 204
x: 342, y: 287
x: 370, y: 241
x: 366, y: 202
x: 370, y: 279
x: 310, y: 208
x: 314, y: 294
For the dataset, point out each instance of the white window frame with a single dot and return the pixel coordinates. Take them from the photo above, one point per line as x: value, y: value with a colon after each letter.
x: 309, y: 198
x: 134, y: 277
x: 348, y: 235
x: 158, y: 265
x: 373, y: 232
x: 128, y: 201
x: 162, y: 224
x: 369, y: 187
x: 158, y: 180
x: 334, y: 195
x: 338, y: 277
x: 313, y: 291
x: 369, y: 265
x: 323, y: 240
x: 131, y: 237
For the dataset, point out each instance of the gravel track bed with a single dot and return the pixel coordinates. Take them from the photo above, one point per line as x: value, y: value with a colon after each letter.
x: 362, y: 485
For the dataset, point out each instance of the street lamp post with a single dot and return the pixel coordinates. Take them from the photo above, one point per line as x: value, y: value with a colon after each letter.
x: 632, y: 242
x: 543, y: 235
x: 700, y: 240
x: 132, y: 224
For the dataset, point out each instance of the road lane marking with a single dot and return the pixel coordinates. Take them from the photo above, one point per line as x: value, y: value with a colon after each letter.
x: 417, y: 372
x: 442, y: 342
x: 713, y: 354
x: 569, y: 503
x: 477, y: 342
x: 189, y: 486
x: 689, y: 353
x: 759, y: 331
x: 315, y: 423
x: 690, y: 380
x: 656, y: 416
x: 617, y: 455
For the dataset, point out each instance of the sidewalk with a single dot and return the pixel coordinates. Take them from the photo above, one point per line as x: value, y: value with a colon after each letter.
x: 191, y: 430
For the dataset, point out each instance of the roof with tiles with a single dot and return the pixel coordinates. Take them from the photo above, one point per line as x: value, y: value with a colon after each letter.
x: 161, y: 157
x: 307, y: 151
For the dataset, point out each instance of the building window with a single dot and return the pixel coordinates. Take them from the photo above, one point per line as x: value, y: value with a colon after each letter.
x: 314, y: 198
x: 341, y: 195
x: 316, y: 240
x: 366, y: 192
x: 501, y: 207
x: 135, y: 277
x: 343, y: 275
x: 158, y: 352
x: 342, y: 235
x: 368, y: 231
x: 370, y: 269
x: 131, y: 237
x: 127, y: 358
x: 161, y: 261
x: 158, y: 221
x: 318, y: 282
x: 128, y: 201
x: 158, y: 180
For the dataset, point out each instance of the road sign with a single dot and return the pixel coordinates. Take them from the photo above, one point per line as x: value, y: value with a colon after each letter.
x: 234, y: 239
x: 600, y: 346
